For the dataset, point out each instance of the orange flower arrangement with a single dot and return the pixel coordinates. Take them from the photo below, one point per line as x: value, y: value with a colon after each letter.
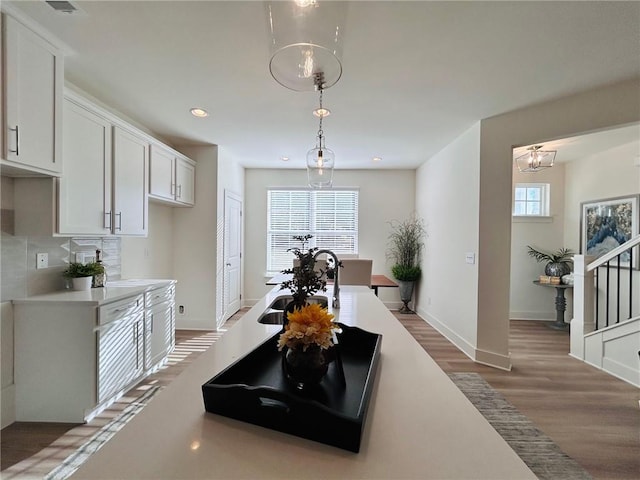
x: 309, y: 325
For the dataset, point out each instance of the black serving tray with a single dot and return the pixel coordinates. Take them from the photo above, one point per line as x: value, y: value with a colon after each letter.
x: 255, y: 389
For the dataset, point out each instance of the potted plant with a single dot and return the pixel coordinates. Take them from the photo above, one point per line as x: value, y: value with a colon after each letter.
x: 405, y: 250
x: 558, y: 263
x: 81, y: 274
x: 308, y: 332
x: 306, y: 279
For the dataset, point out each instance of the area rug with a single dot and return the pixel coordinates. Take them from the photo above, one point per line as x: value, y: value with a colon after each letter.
x: 536, y: 450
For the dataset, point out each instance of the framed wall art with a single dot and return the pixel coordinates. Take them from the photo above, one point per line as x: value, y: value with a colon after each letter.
x: 608, y: 223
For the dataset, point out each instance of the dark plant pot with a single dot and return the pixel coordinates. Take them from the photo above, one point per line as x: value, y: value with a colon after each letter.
x: 406, y: 293
x: 557, y: 269
x: 305, y: 368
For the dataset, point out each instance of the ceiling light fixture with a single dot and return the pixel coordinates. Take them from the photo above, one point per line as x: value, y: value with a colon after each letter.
x: 376, y: 159
x: 536, y: 159
x: 320, y: 160
x: 305, y: 39
x: 199, y: 112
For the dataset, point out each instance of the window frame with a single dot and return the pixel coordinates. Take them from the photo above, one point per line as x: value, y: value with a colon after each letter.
x: 545, y: 196
x: 272, y: 265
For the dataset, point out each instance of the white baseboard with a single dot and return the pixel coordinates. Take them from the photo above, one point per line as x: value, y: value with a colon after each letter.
x: 544, y: 316
x: 491, y: 359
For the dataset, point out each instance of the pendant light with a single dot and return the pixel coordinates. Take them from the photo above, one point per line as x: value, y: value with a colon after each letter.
x: 320, y: 160
x: 305, y: 38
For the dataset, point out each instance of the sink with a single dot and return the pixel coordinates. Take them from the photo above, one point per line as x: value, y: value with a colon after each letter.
x: 274, y: 314
x: 272, y: 317
x: 280, y: 303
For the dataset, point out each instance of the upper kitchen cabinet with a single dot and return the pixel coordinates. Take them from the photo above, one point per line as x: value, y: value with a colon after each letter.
x: 172, y: 177
x: 33, y: 94
x: 84, y: 191
x: 130, y: 180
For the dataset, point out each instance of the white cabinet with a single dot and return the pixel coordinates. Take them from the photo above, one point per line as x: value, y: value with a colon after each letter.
x: 172, y: 177
x: 74, y: 356
x: 130, y: 178
x: 160, y: 324
x: 120, y: 346
x: 84, y: 191
x: 33, y: 89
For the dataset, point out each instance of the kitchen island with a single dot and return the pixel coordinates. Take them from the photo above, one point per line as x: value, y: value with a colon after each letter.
x: 418, y: 425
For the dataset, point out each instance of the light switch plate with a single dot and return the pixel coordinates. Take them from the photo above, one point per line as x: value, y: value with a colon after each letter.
x: 470, y: 258
x: 42, y: 260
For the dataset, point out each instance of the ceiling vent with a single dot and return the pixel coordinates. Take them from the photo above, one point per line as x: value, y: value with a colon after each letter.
x: 64, y: 7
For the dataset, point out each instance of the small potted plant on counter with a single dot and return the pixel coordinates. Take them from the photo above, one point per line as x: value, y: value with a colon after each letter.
x: 81, y: 274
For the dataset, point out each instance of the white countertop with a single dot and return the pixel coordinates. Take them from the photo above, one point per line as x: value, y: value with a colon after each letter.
x: 113, y: 291
x: 418, y: 426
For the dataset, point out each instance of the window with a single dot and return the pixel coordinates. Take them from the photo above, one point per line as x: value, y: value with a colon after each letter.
x: 331, y: 216
x: 531, y: 199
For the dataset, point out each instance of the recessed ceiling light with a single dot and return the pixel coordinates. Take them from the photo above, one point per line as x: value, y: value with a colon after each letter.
x: 322, y: 112
x: 199, y: 112
x: 284, y: 159
x: 377, y: 159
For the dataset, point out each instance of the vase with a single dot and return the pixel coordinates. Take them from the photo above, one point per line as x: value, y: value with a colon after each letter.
x: 554, y: 269
x: 305, y: 368
x: 406, y: 293
x: 81, y: 283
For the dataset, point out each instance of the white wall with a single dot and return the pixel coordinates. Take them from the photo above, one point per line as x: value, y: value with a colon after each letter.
x: 447, y: 200
x: 151, y: 256
x: 385, y: 195
x: 528, y: 301
x: 613, y: 173
x: 195, y: 244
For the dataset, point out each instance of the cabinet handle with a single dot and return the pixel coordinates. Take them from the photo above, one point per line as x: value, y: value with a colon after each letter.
x: 119, y: 215
x: 107, y: 224
x: 179, y: 191
x: 152, y: 323
x: 17, y: 150
x: 173, y: 189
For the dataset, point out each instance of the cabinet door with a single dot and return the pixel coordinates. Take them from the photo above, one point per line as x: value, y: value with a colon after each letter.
x: 130, y: 177
x: 119, y: 362
x: 84, y: 192
x: 185, y: 182
x: 160, y: 334
x: 33, y: 93
x: 162, y: 181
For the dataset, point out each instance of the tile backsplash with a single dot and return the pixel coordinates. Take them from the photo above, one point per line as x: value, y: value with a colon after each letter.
x: 19, y: 275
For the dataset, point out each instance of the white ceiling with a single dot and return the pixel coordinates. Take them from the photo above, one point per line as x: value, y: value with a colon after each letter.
x: 415, y: 74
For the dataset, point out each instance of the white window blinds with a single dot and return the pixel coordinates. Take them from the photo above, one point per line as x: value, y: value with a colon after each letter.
x: 331, y: 216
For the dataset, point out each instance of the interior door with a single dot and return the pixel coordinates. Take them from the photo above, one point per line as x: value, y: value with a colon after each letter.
x: 232, y: 254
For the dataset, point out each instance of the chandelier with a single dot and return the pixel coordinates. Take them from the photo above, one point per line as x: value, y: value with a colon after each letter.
x: 320, y: 160
x: 536, y: 159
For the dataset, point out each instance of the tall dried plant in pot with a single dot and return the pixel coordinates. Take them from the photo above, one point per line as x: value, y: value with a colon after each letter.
x: 405, y: 250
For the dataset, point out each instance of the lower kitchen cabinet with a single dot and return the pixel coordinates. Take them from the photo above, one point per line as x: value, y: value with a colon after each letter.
x: 76, y: 352
x: 160, y: 325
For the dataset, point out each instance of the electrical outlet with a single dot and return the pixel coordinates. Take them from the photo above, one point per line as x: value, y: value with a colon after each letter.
x: 181, y: 309
x: 42, y: 260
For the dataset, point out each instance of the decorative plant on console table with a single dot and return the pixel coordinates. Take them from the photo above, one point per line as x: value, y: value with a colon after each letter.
x: 309, y: 330
x: 558, y: 264
x: 405, y: 249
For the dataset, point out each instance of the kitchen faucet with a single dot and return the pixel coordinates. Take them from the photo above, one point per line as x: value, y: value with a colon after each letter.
x: 336, y: 284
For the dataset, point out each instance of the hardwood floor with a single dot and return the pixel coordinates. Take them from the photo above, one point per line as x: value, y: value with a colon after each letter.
x: 592, y: 416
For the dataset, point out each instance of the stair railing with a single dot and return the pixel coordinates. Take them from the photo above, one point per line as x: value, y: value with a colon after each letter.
x: 599, y: 285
